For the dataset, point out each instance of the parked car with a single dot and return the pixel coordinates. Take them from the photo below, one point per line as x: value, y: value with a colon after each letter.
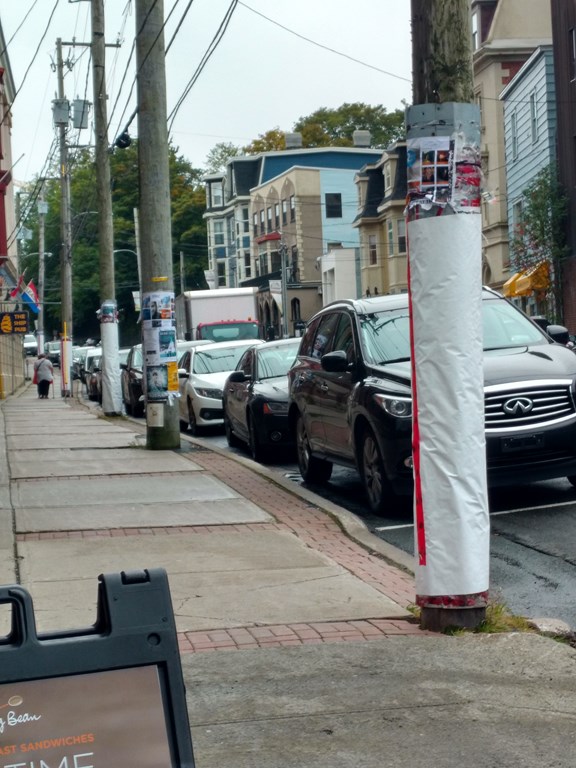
x: 79, y: 361
x: 350, y: 399
x: 131, y: 382
x: 30, y: 345
x: 52, y: 352
x: 255, y: 399
x: 202, y: 372
x: 94, y: 377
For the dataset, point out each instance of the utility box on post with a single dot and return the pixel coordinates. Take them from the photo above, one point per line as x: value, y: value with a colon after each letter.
x: 112, y: 694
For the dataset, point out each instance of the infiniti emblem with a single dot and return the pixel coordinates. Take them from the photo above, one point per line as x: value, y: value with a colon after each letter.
x: 518, y: 406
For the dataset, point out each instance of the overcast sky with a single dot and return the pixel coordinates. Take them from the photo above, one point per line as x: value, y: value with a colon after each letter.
x: 276, y: 62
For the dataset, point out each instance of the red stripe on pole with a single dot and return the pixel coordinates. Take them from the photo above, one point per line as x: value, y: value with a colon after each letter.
x: 418, y: 502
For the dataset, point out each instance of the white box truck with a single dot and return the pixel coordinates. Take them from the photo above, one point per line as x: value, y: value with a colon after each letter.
x: 221, y: 314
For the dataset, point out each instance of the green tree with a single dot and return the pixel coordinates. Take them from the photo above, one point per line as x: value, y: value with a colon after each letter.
x: 335, y: 127
x: 270, y: 141
x: 188, y: 235
x: 540, y: 236
x: 219, y: 156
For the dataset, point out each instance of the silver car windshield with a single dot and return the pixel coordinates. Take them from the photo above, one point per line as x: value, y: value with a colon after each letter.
x: 217, y: 360
x: 386, y: 335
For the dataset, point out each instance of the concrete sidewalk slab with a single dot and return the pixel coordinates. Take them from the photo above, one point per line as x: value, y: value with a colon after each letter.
x: 139, y: 515
x: 111, y: 437
x: 86, y: 428
x: 46, y: 463
x: 163, y: 489
x: 410, y: 702
x: 216, y: 579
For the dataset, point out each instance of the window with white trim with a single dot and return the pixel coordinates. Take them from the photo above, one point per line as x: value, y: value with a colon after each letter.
x: 390, y: 229
x: 372, y: 250
x: 534, y: 117
x: 513, y: 137
x: 401, y: 229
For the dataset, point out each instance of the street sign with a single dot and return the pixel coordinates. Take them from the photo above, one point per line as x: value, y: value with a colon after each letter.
x: 13, y: 322
x: 112, y: 694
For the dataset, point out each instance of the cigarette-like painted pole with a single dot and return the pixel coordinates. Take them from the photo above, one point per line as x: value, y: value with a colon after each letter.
x: 444, y: 232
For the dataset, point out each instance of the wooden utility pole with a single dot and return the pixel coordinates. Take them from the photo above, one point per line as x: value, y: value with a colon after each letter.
x: 158, y: 318
x: 441, y: 52
x: 444, y: 234
x: 66, y: 230
x: 111, y: 389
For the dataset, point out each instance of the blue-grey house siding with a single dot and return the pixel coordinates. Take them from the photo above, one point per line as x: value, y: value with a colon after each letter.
x: 530, y: 94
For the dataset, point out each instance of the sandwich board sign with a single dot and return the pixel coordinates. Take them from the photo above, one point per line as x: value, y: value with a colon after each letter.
x: 110, y: 695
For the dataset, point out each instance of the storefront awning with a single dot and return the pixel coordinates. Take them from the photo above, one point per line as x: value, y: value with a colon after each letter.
x: 534, y: 279
x: 510, y: 284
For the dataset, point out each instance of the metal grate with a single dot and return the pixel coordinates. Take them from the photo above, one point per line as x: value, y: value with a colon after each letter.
x: 528, y: 404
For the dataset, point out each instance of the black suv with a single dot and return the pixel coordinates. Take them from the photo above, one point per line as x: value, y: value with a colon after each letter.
x: 350, y: 400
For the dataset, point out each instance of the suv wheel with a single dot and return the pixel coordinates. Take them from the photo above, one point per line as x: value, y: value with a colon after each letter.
x: 374, y: 478
x: 231, y: 438
x: 313, y: 470
x: 256, y: 450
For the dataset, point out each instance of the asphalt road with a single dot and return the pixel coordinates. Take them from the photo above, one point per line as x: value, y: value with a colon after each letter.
x: 532, y: 543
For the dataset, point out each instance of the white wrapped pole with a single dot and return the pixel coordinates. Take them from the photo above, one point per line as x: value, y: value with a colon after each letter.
x: 111, y: 385
x: 452, y: 529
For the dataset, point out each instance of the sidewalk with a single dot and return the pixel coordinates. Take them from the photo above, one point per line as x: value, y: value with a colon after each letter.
x: 330, y: 668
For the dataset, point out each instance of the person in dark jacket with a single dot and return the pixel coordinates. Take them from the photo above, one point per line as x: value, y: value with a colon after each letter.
x: 43, y: 375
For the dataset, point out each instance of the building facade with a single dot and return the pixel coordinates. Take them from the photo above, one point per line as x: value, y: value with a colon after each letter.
x: 382, y: 190
x: 12, y: 359
x: 505, y: 33
x: 529, y: 103
x: 272, y: 217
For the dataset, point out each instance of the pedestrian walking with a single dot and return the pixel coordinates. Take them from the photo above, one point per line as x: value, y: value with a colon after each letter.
x: 43, y: 376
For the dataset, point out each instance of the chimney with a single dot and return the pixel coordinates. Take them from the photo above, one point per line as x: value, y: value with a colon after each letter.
x: 361, y: 138
x: 293, y: 140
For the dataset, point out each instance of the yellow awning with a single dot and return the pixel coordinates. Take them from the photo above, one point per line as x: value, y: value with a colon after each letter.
x: 510, y: 284
x: 536, y: 278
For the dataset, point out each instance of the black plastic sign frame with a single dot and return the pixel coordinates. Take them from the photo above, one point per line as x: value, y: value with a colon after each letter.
x: 112, y: 694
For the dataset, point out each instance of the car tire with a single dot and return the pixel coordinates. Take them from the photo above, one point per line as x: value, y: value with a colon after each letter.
x: 192, y: 423
x: 231, y: 439
x: 379, y: 494
x: 256, y: 450
x: 312, y: 469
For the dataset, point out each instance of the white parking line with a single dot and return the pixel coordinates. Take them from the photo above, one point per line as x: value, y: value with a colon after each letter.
x: 529, y: 509
x: 492, y: 514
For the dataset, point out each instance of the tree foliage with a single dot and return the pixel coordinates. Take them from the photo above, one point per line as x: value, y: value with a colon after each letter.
x: 335, y: 127
x: 188, y: 237
x: 271, y: 141
x: 219, y: 156
x: 540, y: 236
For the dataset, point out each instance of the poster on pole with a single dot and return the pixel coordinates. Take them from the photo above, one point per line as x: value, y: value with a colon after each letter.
x: 159, y: 345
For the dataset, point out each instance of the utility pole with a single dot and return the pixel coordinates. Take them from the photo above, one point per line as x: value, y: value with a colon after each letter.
x: 111, y: 389
x: 452, y: 528
x: 61, y: 120
x: 158, y: 314
x: 42, y: 211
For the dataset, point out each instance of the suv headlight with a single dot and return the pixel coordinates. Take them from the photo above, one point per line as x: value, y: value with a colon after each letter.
x: 399, y: 407
x: 213, y: 394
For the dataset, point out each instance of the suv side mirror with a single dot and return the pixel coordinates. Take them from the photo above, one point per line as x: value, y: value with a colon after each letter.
x: 335, y: 362
x: 558, y: 333
x: 237, y: 377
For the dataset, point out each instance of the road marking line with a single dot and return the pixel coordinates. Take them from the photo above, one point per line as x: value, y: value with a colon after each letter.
x: 492, y: 514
